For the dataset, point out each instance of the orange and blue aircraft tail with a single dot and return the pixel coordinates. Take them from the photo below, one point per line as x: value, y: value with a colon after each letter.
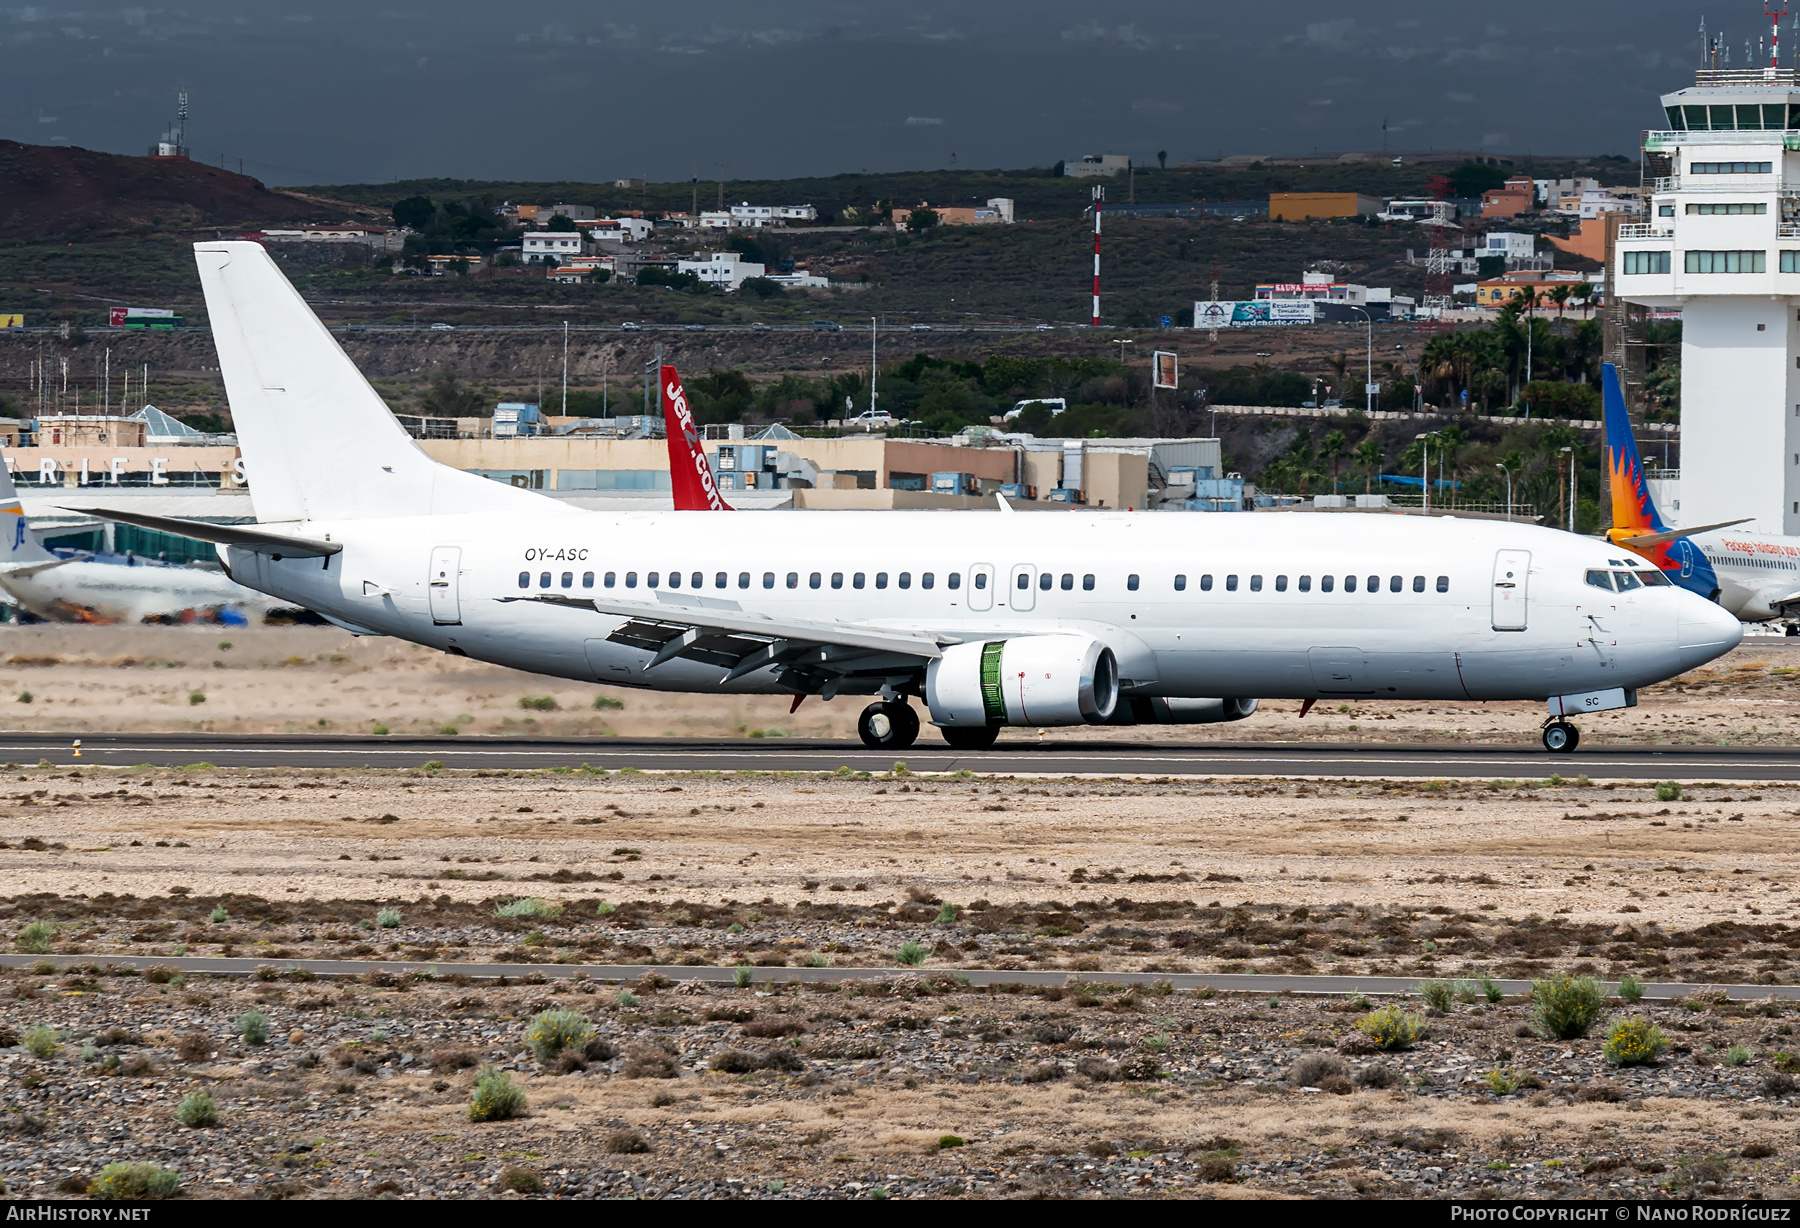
x: 1634, y: 512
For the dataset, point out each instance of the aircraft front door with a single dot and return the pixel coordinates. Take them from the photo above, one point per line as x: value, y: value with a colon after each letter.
x: 446, y: 599
x: 1512, y: 568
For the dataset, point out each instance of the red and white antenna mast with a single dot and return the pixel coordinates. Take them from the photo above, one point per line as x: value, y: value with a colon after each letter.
x: 1775, y: 15
x: 1099, y: 196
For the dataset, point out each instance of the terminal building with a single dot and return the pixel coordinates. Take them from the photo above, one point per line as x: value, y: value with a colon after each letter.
x: 1721, y: 243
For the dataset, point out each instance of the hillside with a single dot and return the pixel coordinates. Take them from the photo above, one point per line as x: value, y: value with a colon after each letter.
x: 66, y: 192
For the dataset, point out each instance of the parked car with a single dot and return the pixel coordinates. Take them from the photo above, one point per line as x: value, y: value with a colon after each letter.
x: 871, y: 417
x: 629, y: 327
x: 1044, y: 328
x: 443, y: 328
x: 827, y: 326
x: 696, y: 328
x: 759, y: 327
x: 920, y: 328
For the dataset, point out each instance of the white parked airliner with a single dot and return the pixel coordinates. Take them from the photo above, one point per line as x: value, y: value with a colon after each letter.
x: 990, y: 619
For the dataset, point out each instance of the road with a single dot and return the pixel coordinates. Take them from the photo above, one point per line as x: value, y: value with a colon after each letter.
x: 1060, y: 758
x: 1251, y: 982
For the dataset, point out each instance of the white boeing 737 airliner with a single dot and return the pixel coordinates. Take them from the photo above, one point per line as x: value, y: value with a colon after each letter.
x: 989, y: 619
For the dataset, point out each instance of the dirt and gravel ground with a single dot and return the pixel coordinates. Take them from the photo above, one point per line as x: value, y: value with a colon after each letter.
x: 777, y: 1090
x: 312, y: 679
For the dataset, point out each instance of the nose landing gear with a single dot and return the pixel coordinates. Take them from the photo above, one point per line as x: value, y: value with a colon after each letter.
x: 1560, y: 737
x: 888, y: 725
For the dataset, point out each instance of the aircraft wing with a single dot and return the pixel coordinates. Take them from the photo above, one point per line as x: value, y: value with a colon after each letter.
x: 811, y: 657
x: 249, y: 536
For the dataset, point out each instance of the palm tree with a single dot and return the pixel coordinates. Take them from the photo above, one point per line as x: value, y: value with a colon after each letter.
x: 1368, y: 455
x: 1583, y: 293
x: 1560, y: 296
x: 1333, y: 448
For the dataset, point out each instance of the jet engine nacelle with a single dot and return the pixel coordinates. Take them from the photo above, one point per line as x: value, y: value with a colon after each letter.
x: 1143, y: 710
x: 1029, y: 680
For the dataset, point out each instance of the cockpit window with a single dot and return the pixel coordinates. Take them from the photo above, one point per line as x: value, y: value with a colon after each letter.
x: 1626, y: 581
x: 1654, y: 579
x: 1600, y: 579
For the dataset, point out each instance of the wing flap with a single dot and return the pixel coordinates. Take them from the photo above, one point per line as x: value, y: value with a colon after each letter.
x: 673, y: 620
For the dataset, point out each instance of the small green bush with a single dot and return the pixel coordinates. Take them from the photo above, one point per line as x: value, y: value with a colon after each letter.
x: 947, y: 915
x: 1437, y: 994
x: 1502, y: 1082
x: 1391, y: 1027
x: 380, y: 731
x: 388, y: 918
x: 538, y: 703
x: 26, y: 697
x: 1634, y: 1041
x: 253, y: 1027
x: 497, y: 1097
x: 911, y: 953
x: 530, y: 906
x: 1490, y: 988
x: 197, y: 1110
x: 1630, y: 989
x: 741, y: 978
x: 1738, y: 1055
x: 522, y: 1181
x: 448, y: 729
x: 947, y: 1141
x: 134, y: 1181
x: 35, y: 938
x: 41, y: 1041
x: 606, y: 703
x: 1668, y: 791
x: 1564, y: 1007
x: 553, y: 1031
x: 218, y: 916
x: 196, y: 697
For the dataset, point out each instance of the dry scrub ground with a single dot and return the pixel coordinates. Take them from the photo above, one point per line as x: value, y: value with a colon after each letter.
x: 790, y: 1091
x: 322, y: 680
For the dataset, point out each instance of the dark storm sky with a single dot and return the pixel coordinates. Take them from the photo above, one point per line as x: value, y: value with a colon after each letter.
x: 329, y: 91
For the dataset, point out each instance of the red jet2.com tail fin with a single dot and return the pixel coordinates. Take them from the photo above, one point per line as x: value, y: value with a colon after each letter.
x: 696, y: 490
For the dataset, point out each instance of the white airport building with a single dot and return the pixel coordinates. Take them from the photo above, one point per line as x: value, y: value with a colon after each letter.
x: 1722, y: 244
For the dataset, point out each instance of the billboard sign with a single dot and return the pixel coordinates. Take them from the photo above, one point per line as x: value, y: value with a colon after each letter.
x: 11, y: 320
x: 1255, y: 313
x: 116, y: 316
x: 1165, y: 370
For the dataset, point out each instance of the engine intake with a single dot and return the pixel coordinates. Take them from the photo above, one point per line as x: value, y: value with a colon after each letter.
x: 1030, y: 680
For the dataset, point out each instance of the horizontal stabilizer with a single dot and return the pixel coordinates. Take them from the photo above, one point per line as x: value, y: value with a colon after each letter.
x: 24, y: 571
x: 248, y: 536
x: 1647, y: 540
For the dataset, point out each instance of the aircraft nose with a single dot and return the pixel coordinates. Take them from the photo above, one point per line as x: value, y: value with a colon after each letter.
x: 1704, y: 631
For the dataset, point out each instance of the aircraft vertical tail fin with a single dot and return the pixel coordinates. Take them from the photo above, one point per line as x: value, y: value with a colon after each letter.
x: 319, y: 443
x: 1633, y: 510
x: 691, y: 478
x: 18, y: 544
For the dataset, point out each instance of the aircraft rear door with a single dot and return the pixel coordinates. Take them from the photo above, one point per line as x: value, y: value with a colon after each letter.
x: 1512, y: 569
x: 445, y: 586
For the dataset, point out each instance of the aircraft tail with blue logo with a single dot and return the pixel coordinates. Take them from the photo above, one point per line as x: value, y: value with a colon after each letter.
x: 18, y: 544
x: 1637, y: 526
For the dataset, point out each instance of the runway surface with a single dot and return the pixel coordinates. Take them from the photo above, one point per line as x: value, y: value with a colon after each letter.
x: 1061, y: 758
x: 1223, y: 982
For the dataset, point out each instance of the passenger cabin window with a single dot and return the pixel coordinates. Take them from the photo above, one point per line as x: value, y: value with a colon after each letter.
x: 927, y: 579
x: 544, y: 580
x: 610, y: 577
x: 954, y: 580
x: 568, y: 579
x: 1418, y: 584
x: 1206, y: 583
x: 743, y: 579
x: 905, y: 579
x: 814, y: 580
x: 768, y: 579
x: 1349, y: 584
x: 1046, y: 582
x: 674, y: 579
x: 1256, y: 584
x: 1281, y: 584
x: 722, y: 580
x: 1626, y: 581
x: 1087, y: 583
x: 980, y: 580
x: 1180, y: 584
x: 1600, y: 579
x: 1231, y: 584
x: 837, y: 579
x: 587, y: 579
x: 524, y: 579
x: 856, y: 581
x: 650, y: 580
x: 1443, y: 584
x: 793, y: 579
x: 1306, y: 584
x: 1068, y: 581
x: 1025, y: 581
x: 631, y: 579
x: 1326, y: 583
x: 699, y: 581
x: 1374, y: 584
x: 881, y: 579
x: 1131, y: 583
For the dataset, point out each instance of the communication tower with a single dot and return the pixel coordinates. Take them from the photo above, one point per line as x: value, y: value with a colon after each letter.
x: 174, y: 139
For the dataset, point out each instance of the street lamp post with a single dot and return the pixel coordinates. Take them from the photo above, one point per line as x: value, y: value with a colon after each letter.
x: 1508, y: 472
x: 1369, y: 382
x: 1424, y: 438
x: 1570, y: 453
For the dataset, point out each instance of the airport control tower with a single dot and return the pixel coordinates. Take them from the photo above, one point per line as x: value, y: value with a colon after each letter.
x: 1722, y: 243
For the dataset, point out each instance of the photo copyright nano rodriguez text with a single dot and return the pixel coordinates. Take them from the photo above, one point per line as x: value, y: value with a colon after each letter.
x: 1643, y: 1213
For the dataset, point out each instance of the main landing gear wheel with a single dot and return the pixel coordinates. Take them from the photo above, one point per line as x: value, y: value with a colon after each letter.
x: 888, y: 726
x: 970, y: 737
x: 1560, y: 737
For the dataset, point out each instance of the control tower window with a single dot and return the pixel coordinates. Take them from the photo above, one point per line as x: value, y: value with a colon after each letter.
x: 1675, y: 120
x: 1774, y: 116
x: 1696, y: 119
